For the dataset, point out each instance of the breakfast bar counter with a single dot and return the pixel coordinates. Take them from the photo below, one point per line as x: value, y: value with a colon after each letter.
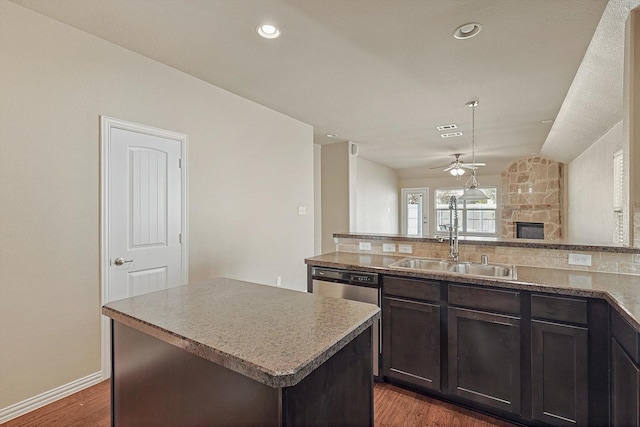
x: 227, y: 352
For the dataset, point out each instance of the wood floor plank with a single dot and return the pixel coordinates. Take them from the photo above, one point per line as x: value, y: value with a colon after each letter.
x: 393, y: 407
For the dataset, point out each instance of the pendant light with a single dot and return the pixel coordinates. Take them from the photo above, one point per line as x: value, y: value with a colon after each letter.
x: 472, y: 192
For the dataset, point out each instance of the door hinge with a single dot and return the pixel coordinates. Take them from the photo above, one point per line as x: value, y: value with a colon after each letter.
x: 180, y: 163
x: 179, y: 237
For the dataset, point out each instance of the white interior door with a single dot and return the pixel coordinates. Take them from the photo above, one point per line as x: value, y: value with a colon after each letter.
x: 415, y: 211
x: 144, y: 212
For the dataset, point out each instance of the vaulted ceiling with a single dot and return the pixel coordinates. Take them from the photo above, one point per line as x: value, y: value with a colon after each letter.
x: 384, y: 73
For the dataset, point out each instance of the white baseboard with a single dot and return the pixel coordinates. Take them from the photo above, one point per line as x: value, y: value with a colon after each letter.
x: 35, y: 402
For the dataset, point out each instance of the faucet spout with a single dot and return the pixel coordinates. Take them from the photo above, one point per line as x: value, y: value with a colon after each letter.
x: 453, y: 229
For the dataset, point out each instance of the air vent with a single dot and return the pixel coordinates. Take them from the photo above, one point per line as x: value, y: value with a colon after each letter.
x: 451, y: 135
x: 447, y: 127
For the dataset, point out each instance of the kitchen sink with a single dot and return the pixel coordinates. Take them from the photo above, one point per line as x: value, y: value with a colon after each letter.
x: 467, y: 268
x: 482, y: 269
x: 422, y: 264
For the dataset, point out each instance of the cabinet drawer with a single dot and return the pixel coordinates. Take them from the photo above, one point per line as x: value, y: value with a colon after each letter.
x: 488, y: 299
x: 409, y: 288
x: 561, y: 309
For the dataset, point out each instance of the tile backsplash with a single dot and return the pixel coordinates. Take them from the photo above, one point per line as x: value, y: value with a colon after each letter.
x: 606, y: 262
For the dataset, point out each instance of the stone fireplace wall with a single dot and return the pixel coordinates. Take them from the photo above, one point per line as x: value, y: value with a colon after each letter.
x: 532, y: 192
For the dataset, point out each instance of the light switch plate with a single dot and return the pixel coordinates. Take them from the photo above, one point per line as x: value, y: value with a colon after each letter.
x: 405, y: 249
x: 388, y: 247
x: 580, y: 259
x: 364, y: 246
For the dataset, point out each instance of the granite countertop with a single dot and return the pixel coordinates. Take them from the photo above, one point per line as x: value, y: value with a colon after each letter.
x: 622, y: 291
x: 498, y: 241
x: 275, y: 336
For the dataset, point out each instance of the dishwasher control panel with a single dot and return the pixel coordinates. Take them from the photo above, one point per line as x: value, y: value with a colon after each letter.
x: 344, y: 276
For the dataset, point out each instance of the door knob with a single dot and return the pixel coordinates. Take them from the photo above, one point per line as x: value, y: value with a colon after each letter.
x: 120, y: 261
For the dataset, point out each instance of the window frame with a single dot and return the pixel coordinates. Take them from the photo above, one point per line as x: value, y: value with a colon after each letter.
x: 463, y: 210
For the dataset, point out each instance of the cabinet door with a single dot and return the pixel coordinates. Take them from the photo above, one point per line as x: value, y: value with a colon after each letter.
x: 625, y: 388
x: 411, y: 342
x: 559, y: 373
x: 484, y: 358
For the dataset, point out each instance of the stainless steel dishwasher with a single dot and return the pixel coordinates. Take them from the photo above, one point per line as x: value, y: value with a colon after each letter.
x: 351, y: 285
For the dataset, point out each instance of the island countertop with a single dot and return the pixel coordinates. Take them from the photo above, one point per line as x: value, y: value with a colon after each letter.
x: 272, y: 335
x: 622, y: 291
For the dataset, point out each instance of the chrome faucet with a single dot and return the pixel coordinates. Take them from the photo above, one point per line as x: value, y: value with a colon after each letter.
x: 453, y: 228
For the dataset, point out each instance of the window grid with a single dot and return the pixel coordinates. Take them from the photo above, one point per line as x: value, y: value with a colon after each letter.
x: 474, y: 217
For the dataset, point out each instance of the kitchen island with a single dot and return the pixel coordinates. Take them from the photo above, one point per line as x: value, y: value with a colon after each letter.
x: 231, y: 353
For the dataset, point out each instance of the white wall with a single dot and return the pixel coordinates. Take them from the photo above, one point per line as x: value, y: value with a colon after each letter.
x: 250, y: 170
x: 376, y: 198
x: 317, y: 199
x: 448, y: 182
x: 335, y: 202
x: 590, y: 190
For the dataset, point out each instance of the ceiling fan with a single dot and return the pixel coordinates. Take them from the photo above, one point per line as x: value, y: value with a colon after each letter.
x: 457, y: 167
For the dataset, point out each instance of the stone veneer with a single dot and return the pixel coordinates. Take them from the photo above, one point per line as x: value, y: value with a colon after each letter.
x: 627, y: 262
x: 532, y: 192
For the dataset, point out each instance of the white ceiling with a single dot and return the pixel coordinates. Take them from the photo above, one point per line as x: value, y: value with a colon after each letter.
x: 381, y: 73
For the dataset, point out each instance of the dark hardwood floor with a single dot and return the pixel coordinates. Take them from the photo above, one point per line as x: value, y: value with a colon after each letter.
x: 393, y: 407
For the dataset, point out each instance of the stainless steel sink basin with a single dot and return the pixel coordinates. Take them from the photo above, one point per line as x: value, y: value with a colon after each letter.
x: 493, y: 270
x: 422, y: 264
x: 472, y: 268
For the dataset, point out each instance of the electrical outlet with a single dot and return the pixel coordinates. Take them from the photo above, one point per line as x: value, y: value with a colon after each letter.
x: 388, y: 247
x: 580, y: 259
x: 405, y: 249
x: 364, y: 246
x: 279, y: 281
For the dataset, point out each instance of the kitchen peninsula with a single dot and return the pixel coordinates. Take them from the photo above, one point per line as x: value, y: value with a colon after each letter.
x: 231, y: 353
x: 555, y: 344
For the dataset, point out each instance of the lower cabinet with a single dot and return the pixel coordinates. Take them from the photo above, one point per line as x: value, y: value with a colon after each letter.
x: 559, y: 374
x: 625, y: 388
x: 413, y: 340
x: 534, y: 358
x: 484, y: 358
x: 625, y: 373
x: 559, y: 360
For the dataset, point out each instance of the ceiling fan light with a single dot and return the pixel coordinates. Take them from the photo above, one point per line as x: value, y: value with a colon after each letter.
x: 457, y: 171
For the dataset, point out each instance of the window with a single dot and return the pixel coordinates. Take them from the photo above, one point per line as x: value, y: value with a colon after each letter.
x: 618, y: 197
x: 474, y: 217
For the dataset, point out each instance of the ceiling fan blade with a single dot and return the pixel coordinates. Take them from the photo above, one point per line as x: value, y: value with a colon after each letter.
x: 476, y: 164
x: 443, y: 166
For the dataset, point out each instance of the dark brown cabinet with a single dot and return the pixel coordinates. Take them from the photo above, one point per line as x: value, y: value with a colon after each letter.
x: 484, y: 346
x: 484, y: 358
x: 534, y: 358
x: 559, y: 360
x: 411, y: 338
x: 625, y: 373
x: 559, y: 373
x: 625, y: 386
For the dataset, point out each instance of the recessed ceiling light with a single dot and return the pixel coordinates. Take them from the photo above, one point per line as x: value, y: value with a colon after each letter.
x: 451, y: 135
x: 331, y: 135
x: 466, y: 31
x: 268, y: 31
x: 447, y: 127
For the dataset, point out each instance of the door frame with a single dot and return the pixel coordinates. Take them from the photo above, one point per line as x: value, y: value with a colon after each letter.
x: 106, y: 124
